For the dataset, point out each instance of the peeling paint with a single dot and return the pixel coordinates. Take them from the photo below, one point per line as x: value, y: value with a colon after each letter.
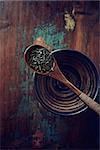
x: 28, y: 105
x: 53, y: 37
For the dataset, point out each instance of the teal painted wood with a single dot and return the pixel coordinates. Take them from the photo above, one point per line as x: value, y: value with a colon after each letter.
x: 28, y: 103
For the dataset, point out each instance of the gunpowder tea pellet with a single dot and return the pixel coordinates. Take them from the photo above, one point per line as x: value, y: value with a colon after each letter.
x: 39, y: 59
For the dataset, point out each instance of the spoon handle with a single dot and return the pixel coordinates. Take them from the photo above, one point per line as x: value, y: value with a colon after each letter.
x: 90, y: 102
x: 57, y: 74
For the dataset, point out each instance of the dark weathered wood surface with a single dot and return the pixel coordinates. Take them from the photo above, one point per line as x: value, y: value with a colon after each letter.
x: 19, y: 22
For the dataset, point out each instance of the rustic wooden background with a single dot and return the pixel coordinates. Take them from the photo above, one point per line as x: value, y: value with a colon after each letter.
x: 20, y: 23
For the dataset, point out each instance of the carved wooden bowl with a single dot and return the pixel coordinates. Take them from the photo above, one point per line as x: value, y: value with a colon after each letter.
x: 57, y: 98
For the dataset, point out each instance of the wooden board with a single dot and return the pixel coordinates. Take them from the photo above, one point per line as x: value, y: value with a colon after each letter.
x: 20, y: 23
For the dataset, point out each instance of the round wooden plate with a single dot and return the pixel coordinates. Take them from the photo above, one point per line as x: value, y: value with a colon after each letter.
x: 78, y: 69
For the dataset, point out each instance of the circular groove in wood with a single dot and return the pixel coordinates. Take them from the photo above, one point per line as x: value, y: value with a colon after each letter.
x: 57, y: 98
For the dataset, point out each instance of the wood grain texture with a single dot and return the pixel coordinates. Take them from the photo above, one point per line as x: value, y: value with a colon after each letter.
x: 18, y: 24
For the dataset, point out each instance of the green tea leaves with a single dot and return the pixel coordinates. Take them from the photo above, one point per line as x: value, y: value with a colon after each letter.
x: 39, y: 59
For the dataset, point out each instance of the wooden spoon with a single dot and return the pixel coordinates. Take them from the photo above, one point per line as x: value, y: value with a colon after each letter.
x: 58, y: 75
